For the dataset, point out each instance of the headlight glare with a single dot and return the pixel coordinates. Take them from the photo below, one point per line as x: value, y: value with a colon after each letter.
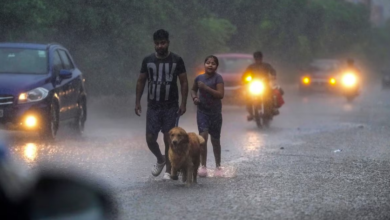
x: 34, y: 95
x: 256, y: 87
x: 349, y: 79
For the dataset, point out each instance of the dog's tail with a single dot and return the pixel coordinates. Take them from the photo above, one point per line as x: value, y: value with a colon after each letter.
x: 201, y: 139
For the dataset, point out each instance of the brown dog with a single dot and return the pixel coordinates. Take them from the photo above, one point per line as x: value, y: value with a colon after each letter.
x: 184, y: 154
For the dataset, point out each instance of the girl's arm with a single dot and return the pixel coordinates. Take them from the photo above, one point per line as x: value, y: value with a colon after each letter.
x: 219, y: 93
x: 194, y: 93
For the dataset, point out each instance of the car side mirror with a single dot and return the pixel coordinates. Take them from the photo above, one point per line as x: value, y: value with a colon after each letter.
x: 56, y: 196
x: 65, y: 74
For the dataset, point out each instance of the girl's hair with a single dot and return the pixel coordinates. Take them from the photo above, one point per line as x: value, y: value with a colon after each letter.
x: 214, y: 57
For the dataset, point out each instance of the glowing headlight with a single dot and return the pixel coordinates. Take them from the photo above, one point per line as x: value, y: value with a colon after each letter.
x: 248, y: 78
x: 349, y: 79
x: 332, y: 81
x: 256, y: 87
x: 34, y: 95
x: 31, y: 121
x: 306, y: 80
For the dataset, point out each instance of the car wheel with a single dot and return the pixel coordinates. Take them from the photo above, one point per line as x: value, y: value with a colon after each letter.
x: 51, y: 124
x: 79, y: 123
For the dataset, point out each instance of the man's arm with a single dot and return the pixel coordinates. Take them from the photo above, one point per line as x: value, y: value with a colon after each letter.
x: 139, y: 90
x: 184, y: 92
x: 271, y: 70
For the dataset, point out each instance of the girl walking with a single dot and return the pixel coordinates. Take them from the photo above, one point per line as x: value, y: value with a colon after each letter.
x: 207, y: 93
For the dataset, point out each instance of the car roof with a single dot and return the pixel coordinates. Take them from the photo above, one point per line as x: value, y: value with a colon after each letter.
x: 28, y: 45
x: 237, y: 55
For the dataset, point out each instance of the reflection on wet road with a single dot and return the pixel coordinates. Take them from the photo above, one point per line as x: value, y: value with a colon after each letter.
x: 113, y: 148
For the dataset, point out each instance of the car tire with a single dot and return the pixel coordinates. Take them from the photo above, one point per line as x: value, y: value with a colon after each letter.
x: 79, y: 123
x: 51, y: 123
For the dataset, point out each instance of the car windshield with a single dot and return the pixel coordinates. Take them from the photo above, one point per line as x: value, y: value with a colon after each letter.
x: 23, y: 61
x: 233, y: 64
x: 323, y: 67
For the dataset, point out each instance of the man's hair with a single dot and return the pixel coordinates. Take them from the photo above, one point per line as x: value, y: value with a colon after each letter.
x: 161, y: 35
x: 258, y: 54
x: 215, y: 59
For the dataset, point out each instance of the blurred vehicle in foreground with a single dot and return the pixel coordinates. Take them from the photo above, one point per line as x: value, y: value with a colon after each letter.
x: 231, y: 67
x: 320, y: 75
x: 40, y: 86
x: 386, y: 79
x: 49, y: 194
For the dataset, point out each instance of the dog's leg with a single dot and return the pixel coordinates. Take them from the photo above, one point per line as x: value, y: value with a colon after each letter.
x: 174, y: 173
x: 190, y: 173
x: 184, y: 175
x: 195, y: 173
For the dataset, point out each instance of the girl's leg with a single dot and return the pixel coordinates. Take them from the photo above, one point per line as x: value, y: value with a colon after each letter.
x: 217, y: 151
x: 203, y: 149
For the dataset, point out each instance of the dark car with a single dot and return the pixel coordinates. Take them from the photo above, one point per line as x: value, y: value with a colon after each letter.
x: 40, y: 88
x: 320, y: 75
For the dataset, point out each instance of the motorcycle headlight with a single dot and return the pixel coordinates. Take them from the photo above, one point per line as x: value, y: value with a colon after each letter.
x: 34, y: 95
x: 256, y: 87
x: 349, y: 79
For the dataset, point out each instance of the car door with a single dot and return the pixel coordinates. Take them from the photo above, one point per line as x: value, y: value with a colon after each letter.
x: 74, y: 84
x: 60, y: 87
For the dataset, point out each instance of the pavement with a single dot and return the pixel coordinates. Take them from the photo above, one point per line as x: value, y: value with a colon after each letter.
x: 322, y: 158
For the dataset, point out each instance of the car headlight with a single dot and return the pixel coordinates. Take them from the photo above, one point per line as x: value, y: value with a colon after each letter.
x: 34, y: 95
x: 256, y: 87
x: 306, y: 80
x: 349, y: 79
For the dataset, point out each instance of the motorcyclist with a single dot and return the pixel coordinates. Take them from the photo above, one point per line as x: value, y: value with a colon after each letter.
x: 260, y: 70
x: 351, y: 66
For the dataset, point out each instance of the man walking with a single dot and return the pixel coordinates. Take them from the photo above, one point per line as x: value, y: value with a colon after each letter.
x: 161, y: 69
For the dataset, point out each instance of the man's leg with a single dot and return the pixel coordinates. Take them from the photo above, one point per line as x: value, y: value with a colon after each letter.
x: 166, y: 142
x: 169, y: 121
x: 153, y: 125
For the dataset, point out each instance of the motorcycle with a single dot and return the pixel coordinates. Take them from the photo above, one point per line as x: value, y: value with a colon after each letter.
x: 350, y: 85
x: 264, y: 100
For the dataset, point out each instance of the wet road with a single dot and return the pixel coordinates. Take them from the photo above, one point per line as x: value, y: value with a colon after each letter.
x: 290, y: 171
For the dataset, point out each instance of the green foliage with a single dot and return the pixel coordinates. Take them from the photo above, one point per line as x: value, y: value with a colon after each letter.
x: 109, y: 40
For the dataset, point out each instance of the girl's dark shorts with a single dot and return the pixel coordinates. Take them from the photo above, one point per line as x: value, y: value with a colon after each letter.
x: 211, y: 123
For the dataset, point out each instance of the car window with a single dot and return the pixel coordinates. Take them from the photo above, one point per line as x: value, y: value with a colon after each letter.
x: 23, y: 61
x: 65, y: 59
x: 234, y: 64
x: 57, y: 63
x: 323, y: 66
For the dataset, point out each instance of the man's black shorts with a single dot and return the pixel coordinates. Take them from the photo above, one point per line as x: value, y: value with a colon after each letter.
x: 161, y: 118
